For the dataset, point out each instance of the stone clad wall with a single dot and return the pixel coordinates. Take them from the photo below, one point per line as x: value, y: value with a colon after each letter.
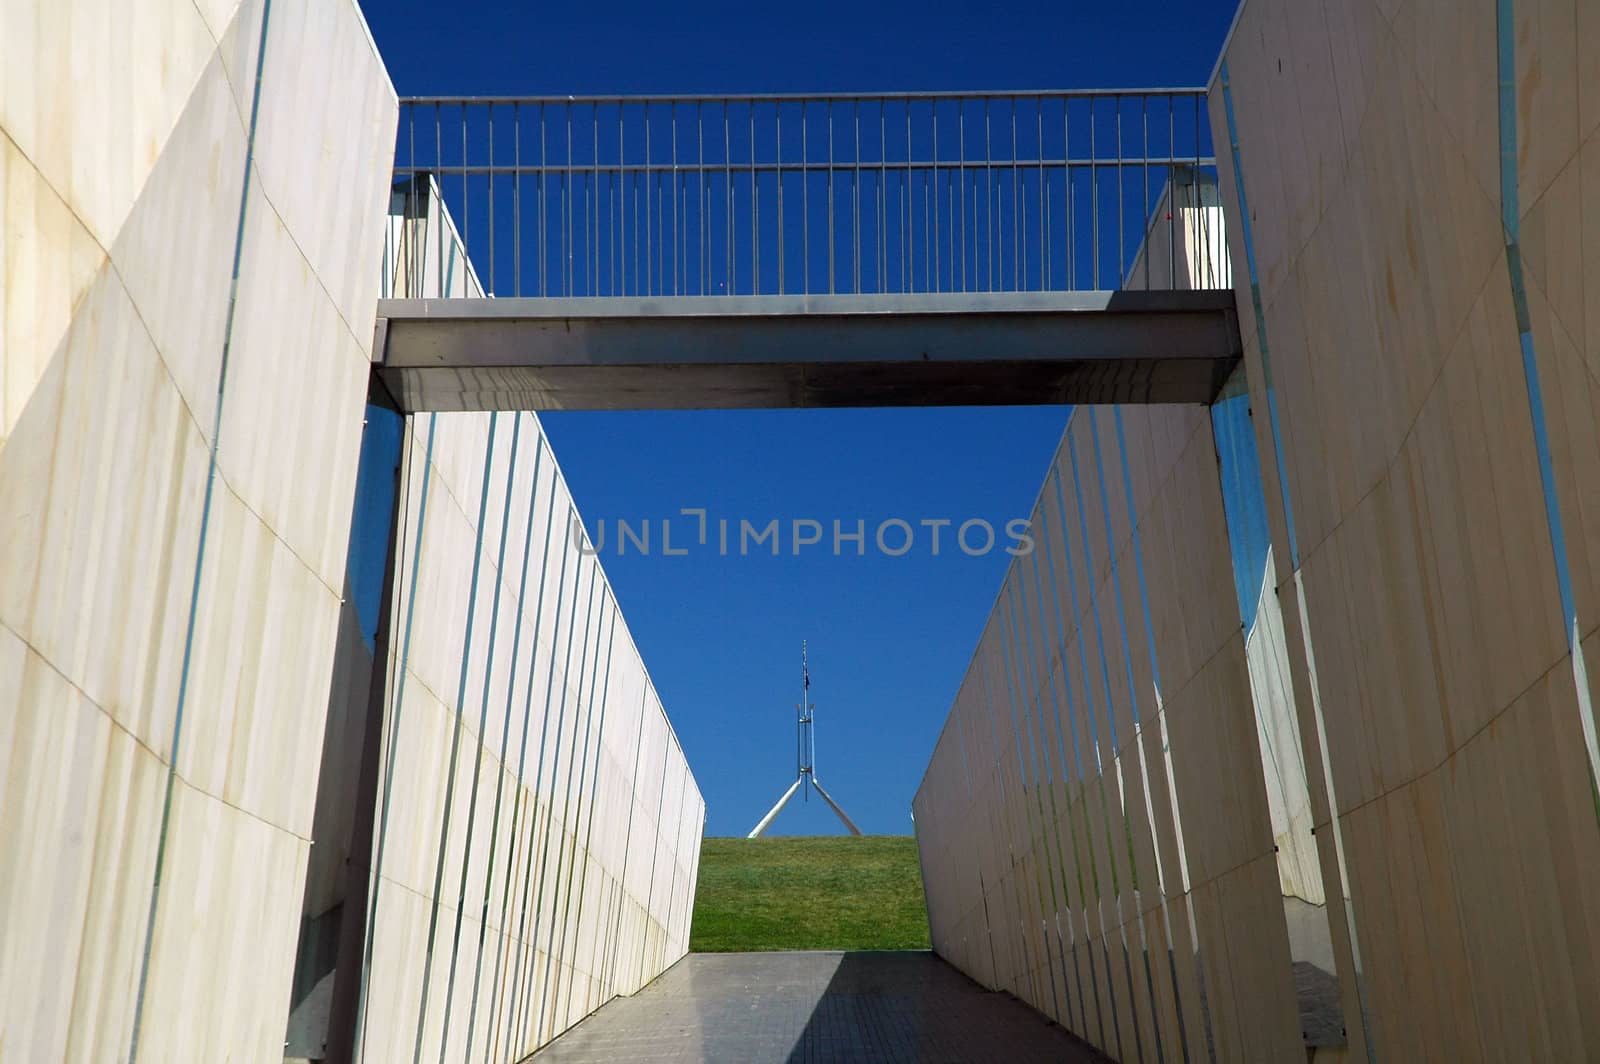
x: 539, y: 826
x: 573, y: 867
x: 1112, y: 758
x: 125, y: 132
x: 1420, y: 386
x: 1104, y: 769
x: 184, y: 363
x: 1426, y: 621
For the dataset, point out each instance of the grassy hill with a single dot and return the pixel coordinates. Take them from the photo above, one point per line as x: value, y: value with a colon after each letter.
x: 828, y: 892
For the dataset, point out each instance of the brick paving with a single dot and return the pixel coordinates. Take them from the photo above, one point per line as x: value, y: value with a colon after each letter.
x: 801, y: 1008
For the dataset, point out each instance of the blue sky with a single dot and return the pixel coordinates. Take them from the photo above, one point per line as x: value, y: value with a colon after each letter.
x: 890, y: 637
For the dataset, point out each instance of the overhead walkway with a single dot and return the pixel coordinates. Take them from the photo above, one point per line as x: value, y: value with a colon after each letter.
x: 710, y: 352
x: 783, y: 251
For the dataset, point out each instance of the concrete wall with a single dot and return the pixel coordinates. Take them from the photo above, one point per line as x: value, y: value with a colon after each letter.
x: 134, y: 756
x: 184, y: 362
x: 1122, y: 759
x: 539, y: 829
x: 1422, y: 395
x: 1096, y: 802
x: 1412, y: 372
x: 1186, y: 246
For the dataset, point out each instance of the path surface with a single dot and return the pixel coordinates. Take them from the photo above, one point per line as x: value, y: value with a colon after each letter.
x: 815, y: 1007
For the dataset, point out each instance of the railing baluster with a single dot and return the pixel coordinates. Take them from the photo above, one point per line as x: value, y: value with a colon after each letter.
x: 830, y: 199
x: 972, y: 236
x: 566, y: 209
x: 1122, y: 243
x: 908, y: 249
x: 855, y: 193
x: 961, y: 183
x: 1172, y: 181
x: 1044, y: 246
x: 884, y: 205
x: 727, y: 189
x: 755, y: 210
x: 780, y: 172
x: 1017, y: 259
x: 1070, y: 251
x: 988, y: 194
x: 672, y: 116
x: 1094, y: 200
x: 930, y: 223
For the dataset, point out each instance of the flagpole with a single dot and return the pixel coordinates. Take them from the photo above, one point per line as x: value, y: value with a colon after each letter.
x: 805, y: 758
x: 808, y: 738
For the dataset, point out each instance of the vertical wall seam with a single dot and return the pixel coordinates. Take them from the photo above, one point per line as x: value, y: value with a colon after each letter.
x: 1008, y: 874
x: 586, y: 708
x: 1166, y: 761
x: 1511, y: 230
x: 1105, y: 1000
x: 590, y: 728
x: 394, y: 731
x: 455, y: 741
x: 1040, y: 679
x: 1065, y: 775
x: 672, y: 891
x: 533, y: 885
x: 1248, y: 239
x: 509, y: 941
x: 1113, y: 844
x: 516, y: 1002
x: 552, y: 826
x: 627, y: 841
x: 200, y: 549
x: 483, y: 722
x: 655, y: 854
x: 505, y: 733
x: 1013, y: 667
x: 1137, y: 737
x: 1249, y: 613
x: 594, y: 782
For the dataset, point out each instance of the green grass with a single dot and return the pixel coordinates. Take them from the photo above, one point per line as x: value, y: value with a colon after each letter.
x: 809, y: 893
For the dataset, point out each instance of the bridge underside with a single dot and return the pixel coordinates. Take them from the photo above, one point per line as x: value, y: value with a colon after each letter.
x: 738, y: 352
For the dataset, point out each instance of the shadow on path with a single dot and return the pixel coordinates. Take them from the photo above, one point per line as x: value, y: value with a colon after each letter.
x: 815, y: 1007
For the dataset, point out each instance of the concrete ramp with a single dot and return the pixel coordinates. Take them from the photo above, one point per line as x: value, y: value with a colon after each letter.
x: 859, y: 1007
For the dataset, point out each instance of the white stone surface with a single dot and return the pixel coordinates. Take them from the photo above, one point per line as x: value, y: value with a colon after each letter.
x: 128, y: 71
x: 597, y: 841
x: 47, y: 261
x: 123, y: 139
x: 1432, y: 642
x: 119, y: 204
x: 1047, y: 798
x: 1044, y: 803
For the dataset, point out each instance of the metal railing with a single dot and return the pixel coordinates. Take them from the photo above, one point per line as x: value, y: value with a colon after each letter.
x: 893, y: 193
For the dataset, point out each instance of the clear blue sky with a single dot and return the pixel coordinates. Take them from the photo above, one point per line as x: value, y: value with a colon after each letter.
x: 890, y: 637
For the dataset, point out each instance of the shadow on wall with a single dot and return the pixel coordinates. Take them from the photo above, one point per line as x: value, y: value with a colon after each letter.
x: 339, y: 862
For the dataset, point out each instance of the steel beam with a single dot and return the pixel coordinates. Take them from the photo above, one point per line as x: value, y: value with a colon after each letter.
x: 755, y: 832
x: 826, y: 797
x: 740, y: 352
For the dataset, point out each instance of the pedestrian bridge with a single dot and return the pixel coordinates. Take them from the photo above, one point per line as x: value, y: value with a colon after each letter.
x: 805, y: 251
x: 609, y: 253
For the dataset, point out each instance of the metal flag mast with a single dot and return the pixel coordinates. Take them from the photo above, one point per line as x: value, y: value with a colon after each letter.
x: 805, y: 759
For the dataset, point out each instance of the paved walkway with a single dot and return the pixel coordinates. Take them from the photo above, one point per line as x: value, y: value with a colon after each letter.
x: 824, y: 1007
